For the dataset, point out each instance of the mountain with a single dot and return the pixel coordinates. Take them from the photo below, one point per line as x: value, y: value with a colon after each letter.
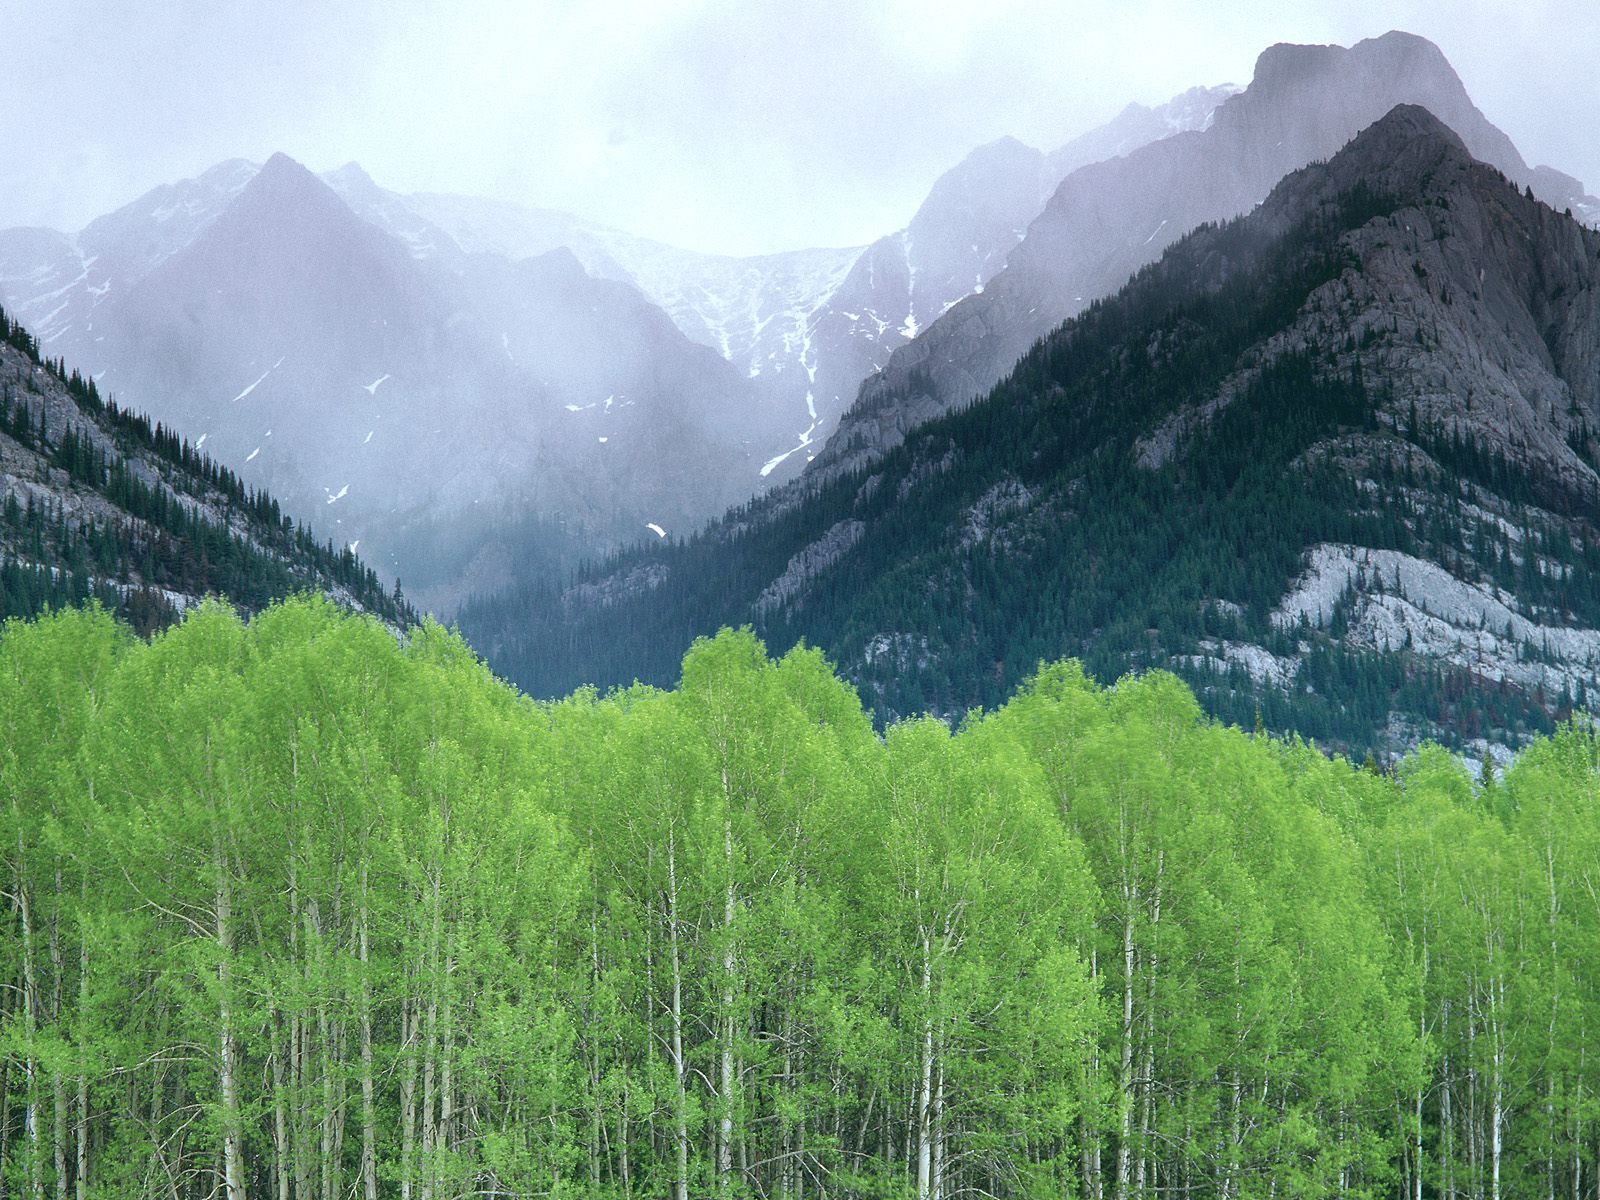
x: 1108, y: 219
x: 469, y: 416
x: 95, y: 502
x: 805, y: 326
x: 53, y: 283
x: 960, y: 236
x: 753, y: 312
x: 1138, y: 125
x: 1334, y: 461
x: 483, y: 390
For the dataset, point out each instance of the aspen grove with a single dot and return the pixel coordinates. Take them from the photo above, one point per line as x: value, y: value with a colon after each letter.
x: 299, y: 910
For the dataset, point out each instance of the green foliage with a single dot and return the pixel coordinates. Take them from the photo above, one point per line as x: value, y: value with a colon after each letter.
x: 297, y: 908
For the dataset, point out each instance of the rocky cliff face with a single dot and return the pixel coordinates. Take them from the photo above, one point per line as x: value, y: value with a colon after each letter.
x: 1108, y: 219
x: 960, y: 238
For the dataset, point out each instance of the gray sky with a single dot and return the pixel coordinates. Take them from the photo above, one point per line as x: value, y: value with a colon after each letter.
x: 732, y: 125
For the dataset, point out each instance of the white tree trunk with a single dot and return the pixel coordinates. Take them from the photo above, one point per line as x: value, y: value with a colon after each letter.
x: 232, y: 1135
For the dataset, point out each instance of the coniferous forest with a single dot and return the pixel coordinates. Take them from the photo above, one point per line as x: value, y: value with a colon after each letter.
x: 300, y: 909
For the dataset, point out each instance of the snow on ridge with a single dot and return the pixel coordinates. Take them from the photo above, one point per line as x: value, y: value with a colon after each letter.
x: 805, y: 440
x: 750, y: 310
x: 258, y: 382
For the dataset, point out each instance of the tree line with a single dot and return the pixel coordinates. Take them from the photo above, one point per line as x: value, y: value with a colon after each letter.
x: 298, y: 909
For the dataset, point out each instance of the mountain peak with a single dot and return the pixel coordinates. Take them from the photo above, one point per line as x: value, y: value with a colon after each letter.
x: 281, y: 162
x: 286, y: 190
x: 558, y: 266
x: 1400, y: 153
x: 352, y: 183
x: 1287, y: 62
x: 1405, y: 123
x: 1399, y: 46
x: 351, y: 176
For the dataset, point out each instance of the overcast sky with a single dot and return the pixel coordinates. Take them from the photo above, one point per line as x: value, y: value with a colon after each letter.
x: 739, y: 126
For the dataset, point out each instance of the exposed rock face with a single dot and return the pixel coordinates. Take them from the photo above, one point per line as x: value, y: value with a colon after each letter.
x: 959, y: 239
x: 1108, y: 219
x: 808, y: 563
x: 614, y: 590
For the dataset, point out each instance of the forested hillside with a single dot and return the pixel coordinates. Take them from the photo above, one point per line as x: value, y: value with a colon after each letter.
x: 95, y: 501
x: 1333, y: 462
x: 296, y: 910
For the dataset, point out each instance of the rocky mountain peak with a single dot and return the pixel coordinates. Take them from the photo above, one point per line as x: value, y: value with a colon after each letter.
x: 352, y: 180
x: 1107, y: 219
x: 285, y: 191
x: 1399, y: 152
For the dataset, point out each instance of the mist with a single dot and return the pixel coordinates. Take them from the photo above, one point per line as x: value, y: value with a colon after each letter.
x: 737, y: 127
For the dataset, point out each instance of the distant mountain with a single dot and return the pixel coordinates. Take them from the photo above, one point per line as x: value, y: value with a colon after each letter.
x: 510, y: 413
x: 960, y: 236
x: 97, y: 503
x: 53, y: 283
x: 805, y: 326
x: 1334, y: 461
x: 1108, y: 219
x: 480, y: 390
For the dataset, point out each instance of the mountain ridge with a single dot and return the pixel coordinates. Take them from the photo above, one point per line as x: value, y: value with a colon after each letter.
x: 1301, y: 367
x: 99, y: 504
x: 1109, y: 218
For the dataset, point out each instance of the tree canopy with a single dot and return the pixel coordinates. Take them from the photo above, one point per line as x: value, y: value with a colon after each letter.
x: 297, y: 908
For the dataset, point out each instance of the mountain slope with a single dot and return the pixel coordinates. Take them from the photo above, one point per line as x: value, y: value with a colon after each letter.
x: 1334, y: 460
x: 806, y: 326
x: 95, y: 503
x: 473, y: 418
x: 960, y: 237
x: 528, y: 409
x: 1108, y: 219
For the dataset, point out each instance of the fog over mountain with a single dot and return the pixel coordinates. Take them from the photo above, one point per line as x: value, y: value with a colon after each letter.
x: 477, y: 391
x: 480, y: 394
x: 737, y: 126
x: 1111, y: 218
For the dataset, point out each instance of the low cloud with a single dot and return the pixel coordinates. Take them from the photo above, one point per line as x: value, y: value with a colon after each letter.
x: 734, y: 125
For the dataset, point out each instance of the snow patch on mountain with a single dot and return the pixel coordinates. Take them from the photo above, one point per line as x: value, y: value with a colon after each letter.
x: 756, y: 312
